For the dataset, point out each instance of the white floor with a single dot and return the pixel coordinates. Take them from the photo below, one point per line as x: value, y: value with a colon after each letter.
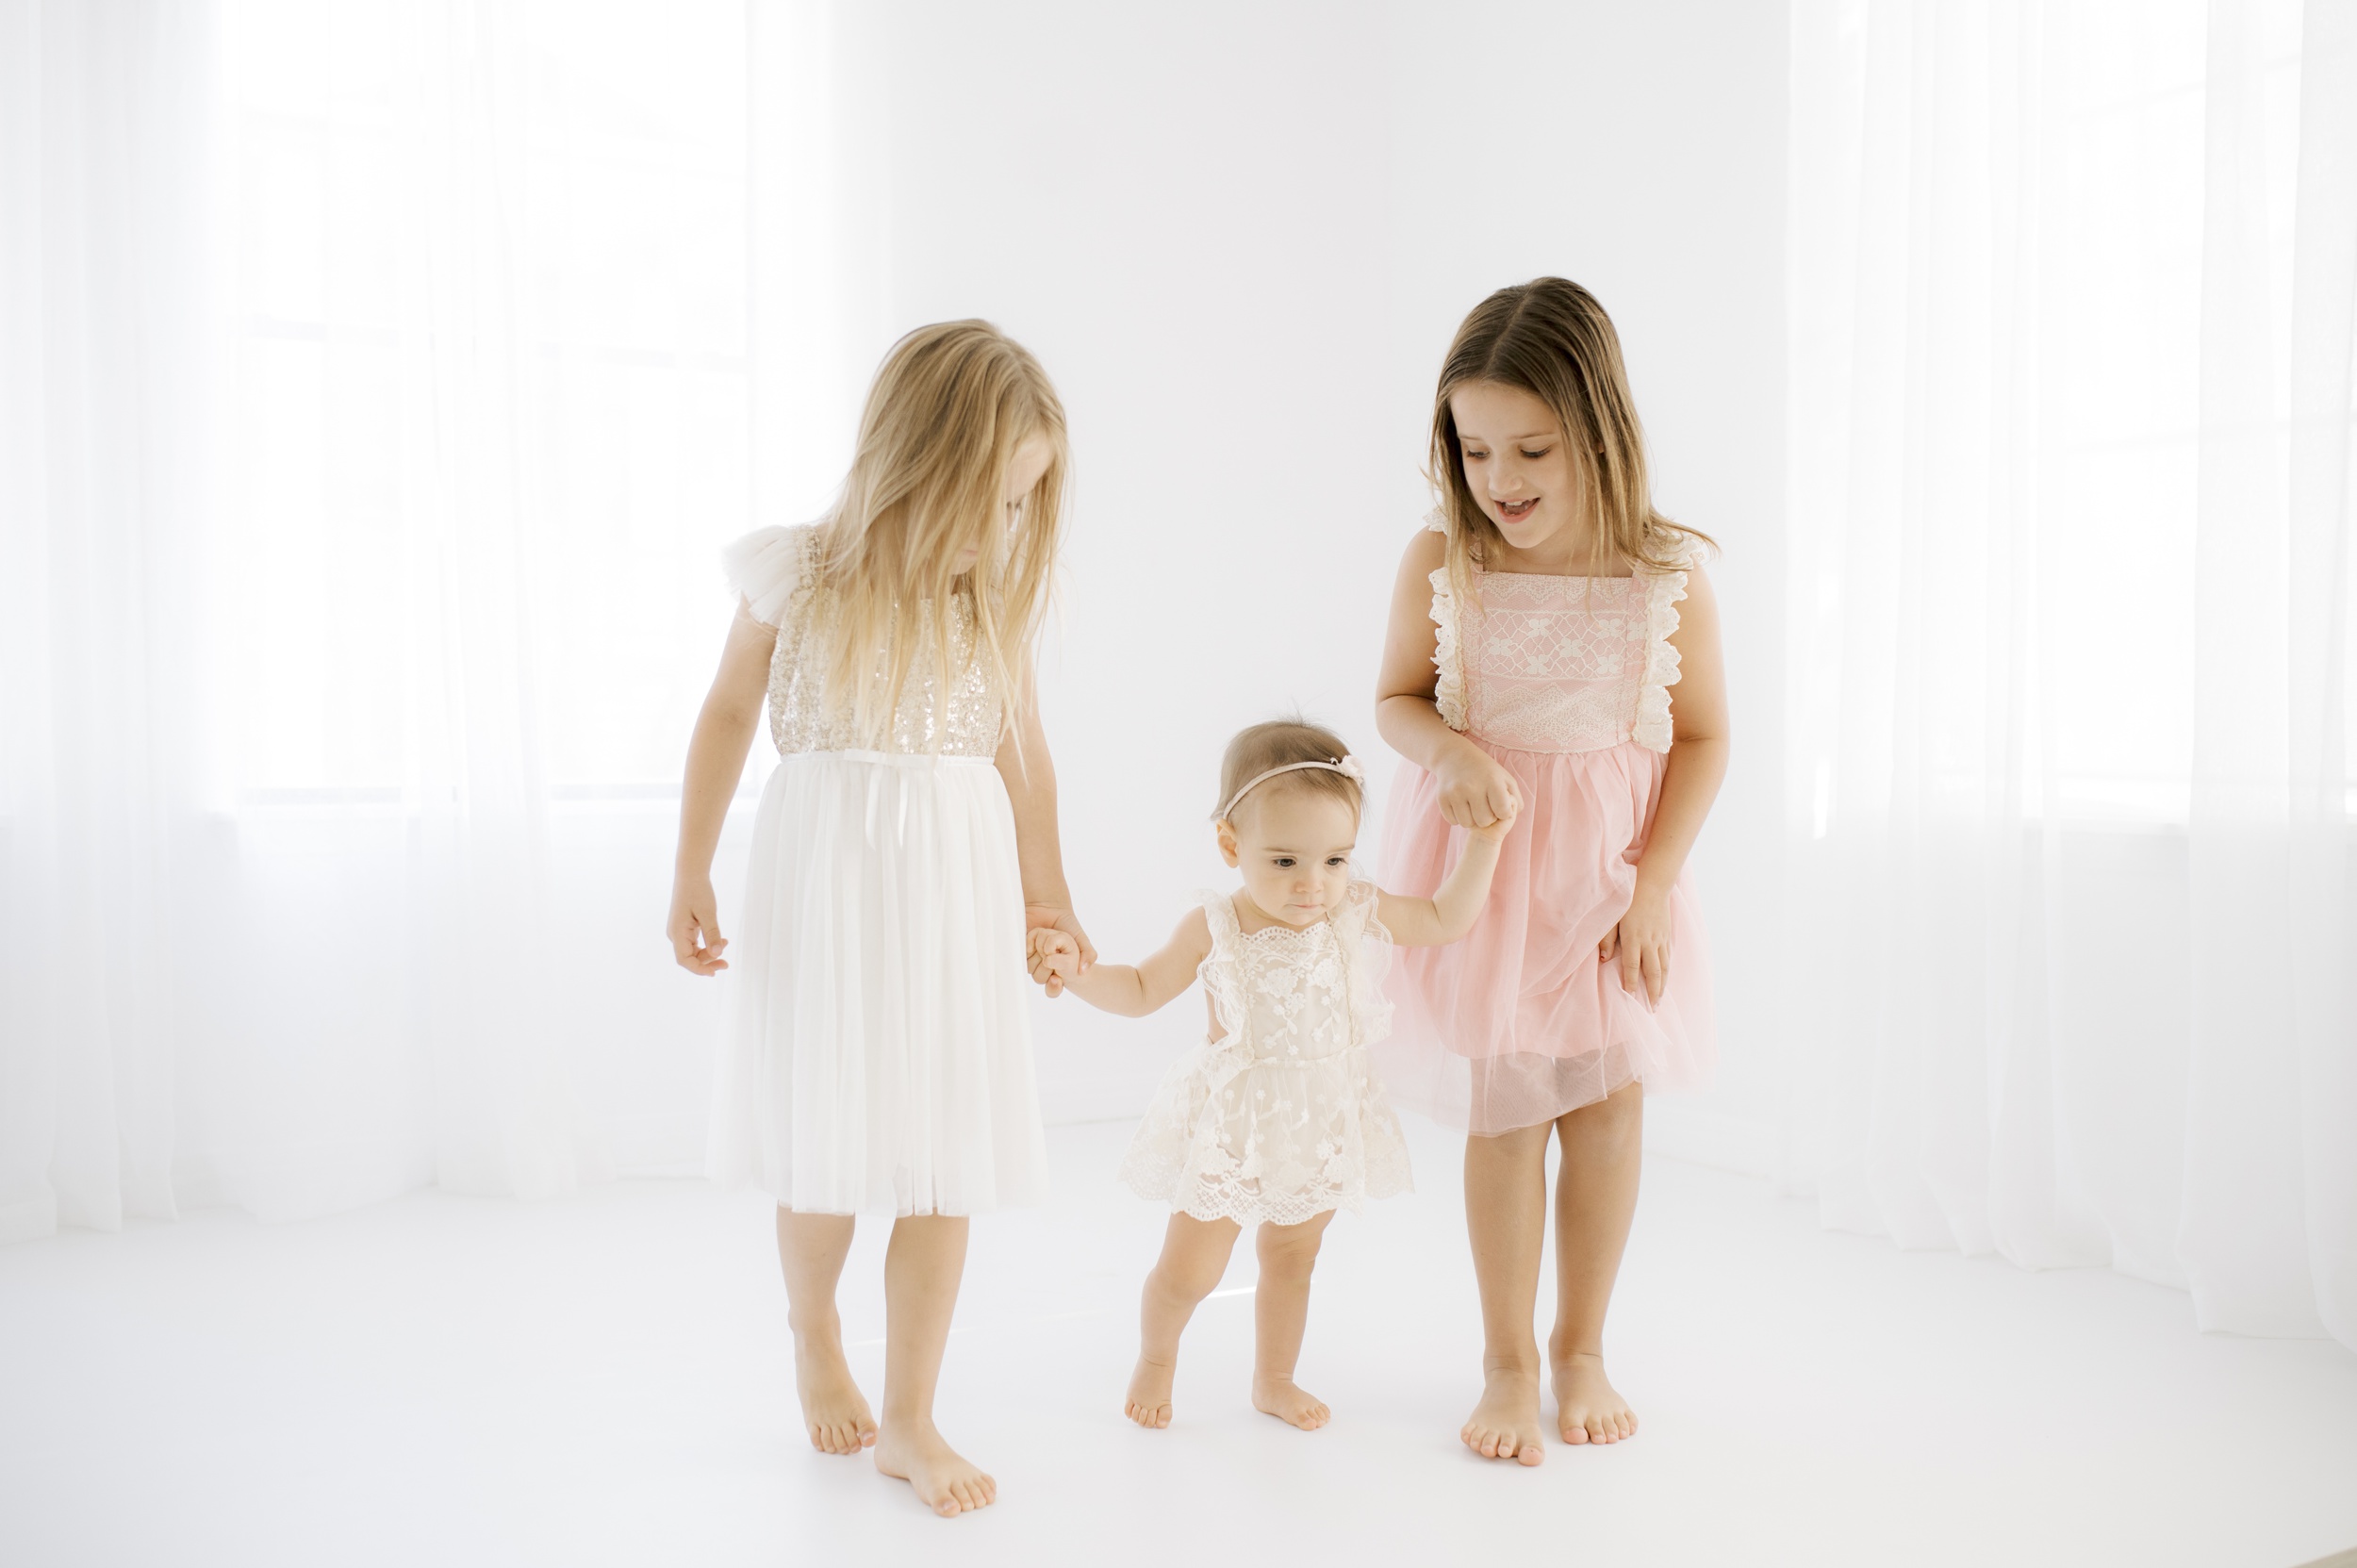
x: 607, y: 1381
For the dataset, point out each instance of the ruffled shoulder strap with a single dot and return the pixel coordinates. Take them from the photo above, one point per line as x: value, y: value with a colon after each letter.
x: 1663, y: 589
x: 1223, y: 980
x: 1448, y: 657
x: 1367, y: 949
x: 768, y: 566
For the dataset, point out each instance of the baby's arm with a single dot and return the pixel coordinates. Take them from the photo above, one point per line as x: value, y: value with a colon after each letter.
x: 1130, y: 990
x: 1450, y: 912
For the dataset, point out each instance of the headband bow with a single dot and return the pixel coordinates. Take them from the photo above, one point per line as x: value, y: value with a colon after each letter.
x: 1346, y: 766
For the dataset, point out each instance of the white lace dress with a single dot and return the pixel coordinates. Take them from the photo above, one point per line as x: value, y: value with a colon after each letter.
x: 879, y: 1056
x: 1277, y: 1117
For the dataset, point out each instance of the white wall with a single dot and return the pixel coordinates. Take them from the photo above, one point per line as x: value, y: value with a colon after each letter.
x: 1239, y: 237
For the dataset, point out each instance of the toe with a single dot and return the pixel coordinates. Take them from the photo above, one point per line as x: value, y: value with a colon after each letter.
x: 1531, y: 1453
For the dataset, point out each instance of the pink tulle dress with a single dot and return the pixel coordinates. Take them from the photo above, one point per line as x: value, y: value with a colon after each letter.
x: 1566, y: 682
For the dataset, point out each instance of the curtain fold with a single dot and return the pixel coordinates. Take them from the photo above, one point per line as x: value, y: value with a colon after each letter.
x: 372, y: 401
x: 104, y: 115
x: 2070, y: 294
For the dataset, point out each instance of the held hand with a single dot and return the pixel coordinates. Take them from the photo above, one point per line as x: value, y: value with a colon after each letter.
x: 1642, y: 943
x: 1055, y: 958
x: 1476, y: 792
x: 1495, y: 832
x: 695, y: 933
x: 1056, y: 919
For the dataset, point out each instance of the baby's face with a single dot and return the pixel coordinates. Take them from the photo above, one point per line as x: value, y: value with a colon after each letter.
x: 1293, y: 848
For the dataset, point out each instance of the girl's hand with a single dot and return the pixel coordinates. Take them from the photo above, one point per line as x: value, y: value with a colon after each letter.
x: 1641, y: 942
x: 1476, y: 792
x: 694, y: 929
x: 1053, y: 917
x: 1055, y: 959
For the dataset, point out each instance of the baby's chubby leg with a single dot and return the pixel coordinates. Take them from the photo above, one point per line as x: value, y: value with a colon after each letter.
x: 811, y: 1248
x: 1281, y: 1308
x: 1195, y: 1255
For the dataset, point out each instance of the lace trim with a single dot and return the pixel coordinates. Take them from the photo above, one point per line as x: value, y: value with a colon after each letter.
x: 1448, y: 655
x: 1662, y: 592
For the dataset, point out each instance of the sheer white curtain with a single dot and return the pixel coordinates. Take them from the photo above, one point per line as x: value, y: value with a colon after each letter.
x: 340, y: 771
x: 2072, y: 290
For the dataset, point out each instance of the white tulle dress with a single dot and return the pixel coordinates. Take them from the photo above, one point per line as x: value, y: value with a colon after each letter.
x: 1277, y: 1117
x: 879, y: 1056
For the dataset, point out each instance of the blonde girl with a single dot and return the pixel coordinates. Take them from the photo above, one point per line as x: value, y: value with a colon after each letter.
x: 1542, y: 620
x: 879, y: 1058
x: 1275, y: 1120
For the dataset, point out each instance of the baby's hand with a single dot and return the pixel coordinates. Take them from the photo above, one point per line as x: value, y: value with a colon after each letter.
x: 1055, y: 958
x: 1496, y: 832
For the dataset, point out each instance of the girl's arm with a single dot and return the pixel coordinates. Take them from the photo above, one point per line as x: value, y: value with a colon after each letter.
x: 1475, y: 791
x: 715, y: 760
x: 1698, y: 760
x: 1133, y: 992
x: 1030, y: 774
x: 1450, y: 912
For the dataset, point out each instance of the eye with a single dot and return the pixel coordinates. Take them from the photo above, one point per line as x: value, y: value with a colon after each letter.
x: 1472, y: 457
x: 1338, y: 860
x: 1284, y: 862
x: 1534, y: 457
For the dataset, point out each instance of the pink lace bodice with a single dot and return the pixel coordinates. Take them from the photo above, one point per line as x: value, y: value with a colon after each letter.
x: 1559, y: 664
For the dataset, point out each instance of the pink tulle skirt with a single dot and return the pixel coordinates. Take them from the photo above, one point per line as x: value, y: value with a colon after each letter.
x: 1520, y: 1022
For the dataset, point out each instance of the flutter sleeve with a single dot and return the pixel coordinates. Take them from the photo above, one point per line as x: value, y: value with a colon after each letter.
x: 766, y: 567
x: 1663, y: 591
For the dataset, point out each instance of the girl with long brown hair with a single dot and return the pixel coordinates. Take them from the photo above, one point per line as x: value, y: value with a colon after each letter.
x: 1539, y: 625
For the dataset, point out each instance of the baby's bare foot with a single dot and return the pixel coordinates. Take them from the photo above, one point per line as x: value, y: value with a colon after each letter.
x: 1504, y: 1425
x: 1587, y: 1407
x: 913, y: 1450
x: 1289, y: 1401
x: 833, y: 1407
x: 1148, y: 1403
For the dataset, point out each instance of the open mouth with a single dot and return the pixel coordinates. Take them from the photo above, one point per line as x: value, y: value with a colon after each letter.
x: 1515, y: 511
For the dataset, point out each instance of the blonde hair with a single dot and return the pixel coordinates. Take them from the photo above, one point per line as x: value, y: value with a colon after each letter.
x: 949, y: 407
x: 1276, y: 744
x: 1552, y: 340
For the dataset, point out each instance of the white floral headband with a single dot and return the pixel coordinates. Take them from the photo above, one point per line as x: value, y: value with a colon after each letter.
x: 1346, y: 766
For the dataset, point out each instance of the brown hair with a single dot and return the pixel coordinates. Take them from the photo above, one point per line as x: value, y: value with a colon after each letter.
x: 950, y: 404
x: 1278, y: 743
x: 1552, y: 340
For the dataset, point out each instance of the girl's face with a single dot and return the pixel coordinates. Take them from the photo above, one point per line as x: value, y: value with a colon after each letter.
x: 1023, y: 475
x: 1518, y: 463
x: 1294, y: 849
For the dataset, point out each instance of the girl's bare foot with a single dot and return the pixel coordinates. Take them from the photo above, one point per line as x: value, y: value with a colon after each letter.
x: 1148, y: 1404
x: 1289, y: 1401
x: 1587, y: 1407
x: 1504, y: 1425
x: 911, y: 1449
x: 833, y: 1407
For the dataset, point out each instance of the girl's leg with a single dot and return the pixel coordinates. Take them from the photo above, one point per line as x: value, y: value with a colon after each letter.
x: 1506, y: 1216
x: 1195, y: 1255
x: 1282, y: 1312
x: 921, y: 1271
x: 1596, y: 1198
x: 811, y: 1250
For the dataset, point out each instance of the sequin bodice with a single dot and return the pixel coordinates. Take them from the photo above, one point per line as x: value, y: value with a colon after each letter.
x: 775, y: 569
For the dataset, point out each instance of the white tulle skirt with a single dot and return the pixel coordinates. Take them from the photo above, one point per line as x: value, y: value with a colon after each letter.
x: 879, y: 1058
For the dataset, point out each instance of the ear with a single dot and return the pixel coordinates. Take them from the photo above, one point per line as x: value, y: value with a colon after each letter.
x: 1226, y: 831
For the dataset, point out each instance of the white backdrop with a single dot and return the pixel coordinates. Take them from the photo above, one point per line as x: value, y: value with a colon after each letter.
x: 341, y: 773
